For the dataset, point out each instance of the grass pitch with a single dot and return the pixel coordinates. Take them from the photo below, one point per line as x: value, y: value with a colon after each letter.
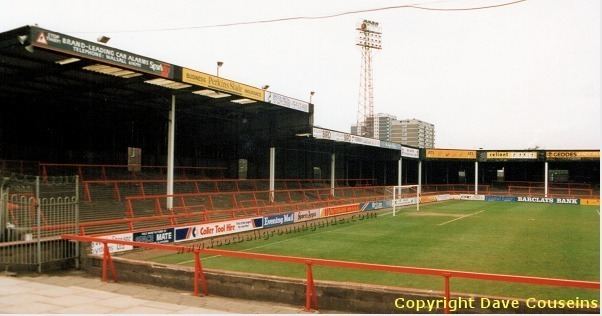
x: 557, y: 241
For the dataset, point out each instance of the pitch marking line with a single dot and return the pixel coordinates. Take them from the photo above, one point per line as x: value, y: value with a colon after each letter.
x: 461, y: 217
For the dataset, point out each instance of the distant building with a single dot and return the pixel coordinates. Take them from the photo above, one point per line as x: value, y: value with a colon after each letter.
x: 382, y: 126
x: 413, y: 132
x: 410, y: 132
x: 354, y: 129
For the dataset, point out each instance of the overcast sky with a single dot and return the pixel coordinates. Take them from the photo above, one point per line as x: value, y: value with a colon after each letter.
x: 507, y: 78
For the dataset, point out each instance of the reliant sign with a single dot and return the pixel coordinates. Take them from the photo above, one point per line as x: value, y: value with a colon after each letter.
x: 500, y: 155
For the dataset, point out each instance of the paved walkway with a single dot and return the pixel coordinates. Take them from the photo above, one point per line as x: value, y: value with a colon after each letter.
x: 79, y: 293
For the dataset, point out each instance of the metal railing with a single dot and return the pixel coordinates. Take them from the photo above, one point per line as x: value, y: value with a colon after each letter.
x: 311, y: 297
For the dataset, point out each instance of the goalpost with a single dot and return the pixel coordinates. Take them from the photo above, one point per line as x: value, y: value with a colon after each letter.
x: 405, y: 195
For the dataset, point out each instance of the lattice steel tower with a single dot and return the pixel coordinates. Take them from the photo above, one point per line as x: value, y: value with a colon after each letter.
x: 369, y: 38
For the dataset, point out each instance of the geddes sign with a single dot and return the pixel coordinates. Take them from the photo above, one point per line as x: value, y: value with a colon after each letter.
x: 85, y: 49
x: 572, y: 155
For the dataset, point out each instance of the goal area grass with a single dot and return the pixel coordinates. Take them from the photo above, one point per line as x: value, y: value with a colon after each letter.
x: 530, y: 239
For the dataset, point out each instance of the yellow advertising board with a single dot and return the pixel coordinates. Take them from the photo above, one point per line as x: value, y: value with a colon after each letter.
x: 451, y: 154
x: 428, y: 198
x: 511, y: 155
x: 221, y: 84
x: 572, y: 155
x: 589, y: 201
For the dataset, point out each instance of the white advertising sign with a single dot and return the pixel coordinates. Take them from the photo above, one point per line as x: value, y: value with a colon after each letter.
x: 285, y: 101
x: 472, y: 197
x: 410, y: 152
x: 405, y: 201
x: 302, y: 216
x: 215, y: 229
x: 96, y: 248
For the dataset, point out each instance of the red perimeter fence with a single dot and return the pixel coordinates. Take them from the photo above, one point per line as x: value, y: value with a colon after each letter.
x: 311, y: 297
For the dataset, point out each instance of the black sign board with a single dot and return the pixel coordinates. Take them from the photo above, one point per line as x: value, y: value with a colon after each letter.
x: 161, y: 236
x: 95, y: 51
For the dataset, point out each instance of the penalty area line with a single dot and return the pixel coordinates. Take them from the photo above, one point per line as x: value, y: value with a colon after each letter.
x: 461, y: 217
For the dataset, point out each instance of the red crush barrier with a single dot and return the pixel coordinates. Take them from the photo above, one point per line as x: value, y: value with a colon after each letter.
x: 311, y: 300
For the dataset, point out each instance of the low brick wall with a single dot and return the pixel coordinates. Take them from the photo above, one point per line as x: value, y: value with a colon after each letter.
x: 336, y: 296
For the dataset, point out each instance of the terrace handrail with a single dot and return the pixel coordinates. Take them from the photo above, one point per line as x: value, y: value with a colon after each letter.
x: 311, y: 296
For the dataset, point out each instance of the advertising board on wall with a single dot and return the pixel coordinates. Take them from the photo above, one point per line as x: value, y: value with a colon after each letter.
x: 547, y: 200
x: 277, y: 220
x: 320, y: 133
x: 472, y: 197
x: 97, y: 248
x: 208, y: 81
x: 161, y: 236
x: 342, y: 209
x: 451, y: 154
x: 572, y: 155
x: 217, y: 229
x: 404, y: 201
x: 281, y: 100
x: 410, y: 152
x: 375, y: 205
x: 502, y: 155
x: 95, y: 51
x: 495, y: 198
x: 301, y: 216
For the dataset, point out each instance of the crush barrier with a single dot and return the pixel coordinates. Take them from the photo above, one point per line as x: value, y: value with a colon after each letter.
x: 311, y: 296
x: 105, y: 172
x: 116, y: 189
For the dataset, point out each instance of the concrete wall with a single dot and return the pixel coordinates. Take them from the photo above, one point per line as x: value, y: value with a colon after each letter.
x: 333, y: 296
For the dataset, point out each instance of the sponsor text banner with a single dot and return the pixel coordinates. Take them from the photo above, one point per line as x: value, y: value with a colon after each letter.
x: 572, y: 155
x: 86, y: 49
x: 492, y: 155
x: 213, y: 82
x: 451, y: 154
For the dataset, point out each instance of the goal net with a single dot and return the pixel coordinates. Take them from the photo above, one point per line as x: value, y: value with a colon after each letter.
x: 405, y: 195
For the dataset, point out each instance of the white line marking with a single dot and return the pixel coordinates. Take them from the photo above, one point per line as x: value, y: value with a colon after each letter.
x: 598, y: 212
x: 461, y: 217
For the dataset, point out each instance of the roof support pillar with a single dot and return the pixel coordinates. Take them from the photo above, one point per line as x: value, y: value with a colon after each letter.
x: 476, y: 177
x: 545, y: 179
x: 272, y: 172
x: 399, y: 164
x: 170, y: 151
x: 332, y: 173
